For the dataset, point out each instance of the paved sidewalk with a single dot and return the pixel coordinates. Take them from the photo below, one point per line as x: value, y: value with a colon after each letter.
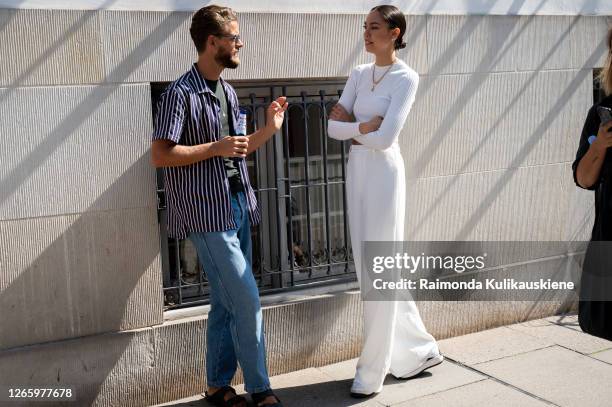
x: 538, y: 363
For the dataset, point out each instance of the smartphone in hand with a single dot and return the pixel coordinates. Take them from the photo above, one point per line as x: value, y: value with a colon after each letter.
x: 605, y: 115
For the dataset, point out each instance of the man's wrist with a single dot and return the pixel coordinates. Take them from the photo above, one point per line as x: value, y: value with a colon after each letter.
x: 213, y: 149
x: 270, y: 130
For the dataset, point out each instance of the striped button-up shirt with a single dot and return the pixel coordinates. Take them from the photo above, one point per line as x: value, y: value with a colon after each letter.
x: 198, y: 195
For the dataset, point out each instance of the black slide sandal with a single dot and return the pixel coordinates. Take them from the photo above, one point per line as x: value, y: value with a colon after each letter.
x: 259, y: 397
x: 218, y: 398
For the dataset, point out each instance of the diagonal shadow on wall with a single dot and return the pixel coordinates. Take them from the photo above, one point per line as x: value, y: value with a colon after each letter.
x: 91, y: 274
x: 527, y: 147
x: 491, y: 131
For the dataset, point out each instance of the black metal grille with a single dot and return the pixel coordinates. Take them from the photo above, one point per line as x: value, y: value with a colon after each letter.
x: 299, y: 179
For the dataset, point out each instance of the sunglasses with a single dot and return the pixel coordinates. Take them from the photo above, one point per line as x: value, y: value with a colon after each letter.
x: 235, y: 38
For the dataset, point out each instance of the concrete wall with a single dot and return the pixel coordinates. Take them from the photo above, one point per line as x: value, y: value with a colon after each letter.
x: 79, y: 251
x: 420, y: 7
x: 166, y: 362
x: 495, y: 128
x: 488, y: 147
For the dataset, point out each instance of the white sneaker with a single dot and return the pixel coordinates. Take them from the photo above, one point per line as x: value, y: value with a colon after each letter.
x: 429, y: 363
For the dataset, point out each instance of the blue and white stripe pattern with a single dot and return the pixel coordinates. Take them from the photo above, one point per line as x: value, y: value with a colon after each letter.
x: 198, y: 195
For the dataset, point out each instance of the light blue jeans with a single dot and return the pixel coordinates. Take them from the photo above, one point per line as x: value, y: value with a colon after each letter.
x: 234, y: 332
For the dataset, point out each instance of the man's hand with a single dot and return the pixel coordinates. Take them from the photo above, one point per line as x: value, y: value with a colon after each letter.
x: 339, y: 113
x: 275, y: 114
x: 234, y: 146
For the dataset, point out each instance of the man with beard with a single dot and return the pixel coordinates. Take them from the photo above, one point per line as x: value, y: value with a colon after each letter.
x: 210, y: 201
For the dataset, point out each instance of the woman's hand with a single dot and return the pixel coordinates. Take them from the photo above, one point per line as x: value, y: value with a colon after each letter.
x: 339, y: 113
x: 590, y: 164
x: 372, y: 125
x: 604, y: 138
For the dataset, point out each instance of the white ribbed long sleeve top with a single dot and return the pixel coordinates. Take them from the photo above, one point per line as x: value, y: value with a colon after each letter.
x: 392, y: 99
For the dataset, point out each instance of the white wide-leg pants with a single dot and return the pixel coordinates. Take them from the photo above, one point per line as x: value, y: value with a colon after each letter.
x: 395, y: 339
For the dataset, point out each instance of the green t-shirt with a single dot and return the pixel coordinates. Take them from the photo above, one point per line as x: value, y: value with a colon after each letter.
x: 231, y: 166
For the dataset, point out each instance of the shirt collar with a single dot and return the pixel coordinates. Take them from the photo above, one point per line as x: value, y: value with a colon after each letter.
x: 199, y: 83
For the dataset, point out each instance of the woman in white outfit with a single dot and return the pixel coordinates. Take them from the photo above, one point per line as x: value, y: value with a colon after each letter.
x: 372, y: 111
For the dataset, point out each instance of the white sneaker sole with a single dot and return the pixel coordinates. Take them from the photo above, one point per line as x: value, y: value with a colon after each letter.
x: 429, y: 363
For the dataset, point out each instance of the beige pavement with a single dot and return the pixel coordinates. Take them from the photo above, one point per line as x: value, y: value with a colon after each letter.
x: 546, y: 362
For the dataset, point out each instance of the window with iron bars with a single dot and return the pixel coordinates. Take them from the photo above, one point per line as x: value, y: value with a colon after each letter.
x: 299, y: 179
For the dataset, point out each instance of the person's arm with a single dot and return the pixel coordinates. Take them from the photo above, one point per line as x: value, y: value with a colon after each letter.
x: 344, y: 130
x: 590, y: 165
x: 166, y: 153
x: 590, y: 157
x: 168, y: 128
x: 402, y: 99
x: 275, y: 114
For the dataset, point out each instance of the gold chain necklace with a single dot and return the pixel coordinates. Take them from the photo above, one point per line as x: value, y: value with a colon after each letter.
x: 376, y: 82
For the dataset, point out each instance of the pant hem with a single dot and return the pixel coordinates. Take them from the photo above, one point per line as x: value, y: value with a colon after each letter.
x: 257, y: 389
x: 217, y: 384
x: 363, y: 391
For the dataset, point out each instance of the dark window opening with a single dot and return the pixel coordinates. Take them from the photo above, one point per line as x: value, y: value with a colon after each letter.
x: 299, y: 179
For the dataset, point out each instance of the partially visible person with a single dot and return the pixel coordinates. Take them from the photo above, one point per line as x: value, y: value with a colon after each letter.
x: 593, y: 170
x: 379, y: 95
x: 211, y: 201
